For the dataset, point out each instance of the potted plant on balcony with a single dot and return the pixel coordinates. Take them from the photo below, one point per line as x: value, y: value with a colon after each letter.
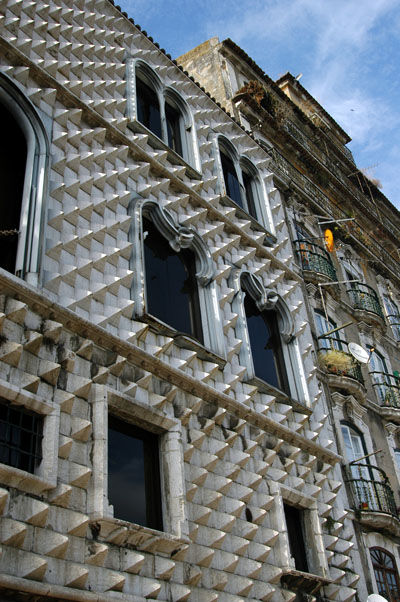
x: 335, y: 361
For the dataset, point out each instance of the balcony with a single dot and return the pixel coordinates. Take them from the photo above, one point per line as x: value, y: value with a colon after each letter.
x: 315, y: 262
x: 373, y: 498
x: 366, y: 304
x: 387, y: 391
x: 342, y: 370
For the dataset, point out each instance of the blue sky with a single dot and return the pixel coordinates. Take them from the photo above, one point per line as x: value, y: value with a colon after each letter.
x: 347, y: 50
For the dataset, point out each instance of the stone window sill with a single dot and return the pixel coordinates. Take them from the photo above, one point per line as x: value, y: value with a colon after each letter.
x: 183, y: 340
x: 265, y: 387
x: 156, y: 142
x: 119, y: 532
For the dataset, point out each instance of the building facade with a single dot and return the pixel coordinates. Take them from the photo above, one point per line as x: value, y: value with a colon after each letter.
x: 166, y: 429
x: 351, y: 287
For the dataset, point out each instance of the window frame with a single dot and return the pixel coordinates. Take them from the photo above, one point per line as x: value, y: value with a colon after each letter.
x: 30, y: 244
x: 266, y: 298
x: 179, y: 237
x: 322, y: 326
x: 394, y: 571
x: 45, y: 475
x: 263, y: 215
x: 151, y: 466
x: 107, y: 401
x: 190, y: 157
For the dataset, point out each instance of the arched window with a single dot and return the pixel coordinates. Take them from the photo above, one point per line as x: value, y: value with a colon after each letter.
x: 177, y: 292
x: 148, y: 105
x: 269, y: 350
x: 240, y: 180
x: 354, y: 444
x: 161, y: 110
x: 171, y: 286
x: 386, y: 575
x: 266, y: 345
x: 24, y: 153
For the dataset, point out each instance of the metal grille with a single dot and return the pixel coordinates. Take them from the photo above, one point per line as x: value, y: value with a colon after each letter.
x: 364, y: 297
x: 371, y: 489
x: 387, y: 388
x: 314, y: 258
x: 21, y: 433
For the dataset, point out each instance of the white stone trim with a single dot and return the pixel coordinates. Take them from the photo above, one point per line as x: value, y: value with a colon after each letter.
x: 105, y: 400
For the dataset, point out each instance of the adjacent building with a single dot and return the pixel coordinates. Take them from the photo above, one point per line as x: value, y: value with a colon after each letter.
x: 172, y: 426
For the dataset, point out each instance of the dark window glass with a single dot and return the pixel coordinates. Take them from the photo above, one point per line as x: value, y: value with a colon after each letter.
x: 173, y: 118
x: 21, y: 433
x: 387, y: 579
x: 295, y: 530
x: 13, y: 153
x: 148, y: 108
x: 134, y: 474
x: 172, y: 294
x: 249, y: 184
x: 266, y: 347
x: 231, y: 181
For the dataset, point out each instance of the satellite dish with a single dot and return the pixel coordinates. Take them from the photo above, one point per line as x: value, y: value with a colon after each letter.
x: 329, y: 241
x: 362, y: 356
x: 376, y: 598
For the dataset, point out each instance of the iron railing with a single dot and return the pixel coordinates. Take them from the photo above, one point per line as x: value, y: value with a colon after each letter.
x: 282, y: 167
x: 314, y: 258
x: 371, y: 489
x: 340, y: 363
x: 387, y: 389
x: 364, y: 297
x: 394, y: 321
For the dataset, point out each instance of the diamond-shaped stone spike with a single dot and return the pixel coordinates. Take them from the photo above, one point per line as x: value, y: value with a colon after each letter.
x: 64, y: 447
x: 31, y: 566
x: 12, y: 533
x: 49, y: 371
x: 76, y: 576
x: 163, y: 568
x: 50, y: 543
x: 131, y: 562
x: 80, y: 428
x: 10, y: 353
x: 79, y: 475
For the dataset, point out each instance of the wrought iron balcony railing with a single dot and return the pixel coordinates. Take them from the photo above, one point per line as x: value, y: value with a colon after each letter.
x: 387, y: 389
x: 364, y: 297
x: 371, y: 489
x: 394, y: 321
x: 314, y: 258
x: 334, y: 360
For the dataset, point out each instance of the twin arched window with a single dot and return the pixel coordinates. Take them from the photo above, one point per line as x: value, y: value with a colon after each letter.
x: 241, y: 182
x: 161, y: 110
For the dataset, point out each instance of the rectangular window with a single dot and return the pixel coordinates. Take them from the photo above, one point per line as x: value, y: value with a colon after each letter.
x: 134, y: 486
x: 295, y: 530
x: 21, y: 433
